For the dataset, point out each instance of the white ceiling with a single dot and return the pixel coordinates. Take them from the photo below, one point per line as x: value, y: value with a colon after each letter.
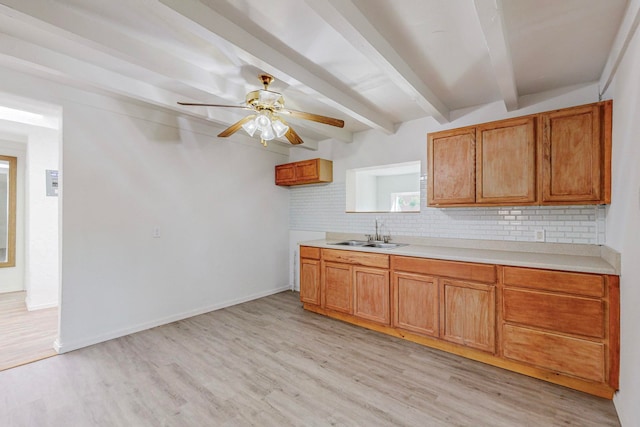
x: 373, y: 63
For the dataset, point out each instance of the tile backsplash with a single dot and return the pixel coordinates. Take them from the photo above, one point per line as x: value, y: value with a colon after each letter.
x: 322, y: 208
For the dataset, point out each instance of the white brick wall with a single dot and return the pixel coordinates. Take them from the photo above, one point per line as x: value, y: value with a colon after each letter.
x: 322, y: 208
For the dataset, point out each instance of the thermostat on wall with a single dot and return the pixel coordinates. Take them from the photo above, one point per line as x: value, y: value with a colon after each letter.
x: 52, y: 183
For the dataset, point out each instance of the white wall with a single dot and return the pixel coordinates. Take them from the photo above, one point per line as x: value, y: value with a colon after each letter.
x: 42, y: 273
x: 128, y: 169
x: 15, y: 145
x: 623, y: 226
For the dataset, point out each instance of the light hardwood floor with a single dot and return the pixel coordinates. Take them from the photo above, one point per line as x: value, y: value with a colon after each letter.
x: 25, y: 336
x: 270, y: 363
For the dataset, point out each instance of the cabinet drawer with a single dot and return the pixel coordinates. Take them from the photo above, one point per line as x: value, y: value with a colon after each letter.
x: 458, y: 270
x: 561, y: 313
x: 573, y: 356
x: 353, y: 257
x: 309, y: 252
x: 591, y: 285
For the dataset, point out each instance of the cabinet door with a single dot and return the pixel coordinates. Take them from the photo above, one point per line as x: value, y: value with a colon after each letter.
x: 310, y: 281
x: 416, y: 303
x: 285, y: 174
x: 307, y: 170
x: 337, y: 288
x: 571, y: 155
x: 451, y: 157
x: 467, y: 314
x: 372, y: 294
x: 506, y: 162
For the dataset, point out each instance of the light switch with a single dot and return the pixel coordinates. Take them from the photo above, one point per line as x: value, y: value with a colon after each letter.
x: 539, y: 235
x: 156, y: 232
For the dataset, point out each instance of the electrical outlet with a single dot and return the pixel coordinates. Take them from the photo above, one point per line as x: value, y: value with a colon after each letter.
x: 538, y: 235
x: 156, y: 232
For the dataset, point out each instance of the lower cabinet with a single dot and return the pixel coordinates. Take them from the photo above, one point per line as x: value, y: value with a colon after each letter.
x: 356, y: 283
x: 560, y: 321
x: 310, y: 275
x: 337, y: 287
x: 558, y: 326
x: 371, y: 289
x: 416, y: 305
x: 468, y: 314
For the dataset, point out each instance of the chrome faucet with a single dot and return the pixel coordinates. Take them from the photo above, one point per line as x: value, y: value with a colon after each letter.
x: 378, y: 237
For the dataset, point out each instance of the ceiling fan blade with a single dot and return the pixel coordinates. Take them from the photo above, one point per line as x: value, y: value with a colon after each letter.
x: 235, y: 127
x: 313, y: 117
x: 215, y: 105
x: 293, y: 137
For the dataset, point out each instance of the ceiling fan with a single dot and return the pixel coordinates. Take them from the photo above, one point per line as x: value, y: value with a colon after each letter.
x: 268, y: 106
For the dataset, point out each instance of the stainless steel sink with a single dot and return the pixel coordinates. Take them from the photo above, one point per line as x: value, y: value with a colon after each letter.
x: 351, y: 243
x: 365, y: 244
x: 383, y: 245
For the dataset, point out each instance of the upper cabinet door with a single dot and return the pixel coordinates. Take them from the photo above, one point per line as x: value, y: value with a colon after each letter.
x: 506, y: 161
x: 451, y: 159
x: 572, y: 152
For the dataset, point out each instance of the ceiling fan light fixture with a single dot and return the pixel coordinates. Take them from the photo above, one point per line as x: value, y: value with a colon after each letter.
x: 267, y: 134
x: 250, y: 127
x: 263, y: 121
x: 279, y: 128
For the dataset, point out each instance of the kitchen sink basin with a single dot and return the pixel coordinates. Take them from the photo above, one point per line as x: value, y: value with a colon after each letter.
x: 365, y: 244
x: 383, y: 245
x: 351, y: 243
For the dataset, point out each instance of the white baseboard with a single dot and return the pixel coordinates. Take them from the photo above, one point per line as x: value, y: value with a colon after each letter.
x: 64, y: 347
x: 32, y: 307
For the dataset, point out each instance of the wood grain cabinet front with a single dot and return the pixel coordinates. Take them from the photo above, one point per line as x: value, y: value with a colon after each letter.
x: 310, y: 275
x: 416, y: 303
x: 372, y: 294
x: 313, y: 171
x: 356, y: 283
x: 506, y: 162
x: 561, y: 321
x: 558, y: 326
x: 468, y: 314
x: 337, y: 287
x: 451, y: 157
x: 575, y: 154
x: 552, y: 158
x: 446, y: 299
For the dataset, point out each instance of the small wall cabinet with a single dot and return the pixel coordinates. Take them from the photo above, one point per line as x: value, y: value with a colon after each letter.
x: 552, y: 158
x: 313, y: 171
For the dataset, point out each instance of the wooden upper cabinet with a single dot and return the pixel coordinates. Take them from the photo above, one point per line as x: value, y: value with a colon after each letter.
x: 506, y: 162
x: 572, y: 152
x: 552, y: 158
x: 452, y: 171
x: 305, y: 172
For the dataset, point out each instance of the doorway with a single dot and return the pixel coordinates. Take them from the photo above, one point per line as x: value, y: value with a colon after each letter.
x: 30, y: 131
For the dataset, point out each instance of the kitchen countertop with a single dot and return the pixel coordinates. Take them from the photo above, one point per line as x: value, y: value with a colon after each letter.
x: 566, y: 257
